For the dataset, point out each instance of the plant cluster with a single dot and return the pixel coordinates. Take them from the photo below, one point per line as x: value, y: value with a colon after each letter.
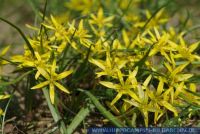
x: 142, y: 63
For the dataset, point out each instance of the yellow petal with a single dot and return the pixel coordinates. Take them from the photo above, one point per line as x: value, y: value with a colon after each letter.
x: 61, y: 87
x: 63, y: 74
x: 183, y: 77
x: 4, y: 51
x: 99, y: 74
x: 179, y: 69
x: 125, y: 38
x: 169, y: 68
x: 4, y: 96
x: 1, y: 112
x: 193, y: 87
x: 119, y: 95
x: 43, y: 72
x: 32, y: 27
x: 193, y: 46
x: 132, y: 102
x: 37, y: 56
x: 55, y: 23
x: 182, y: 42
x: 179, y: 89
x: 133, y: 95
x: 160, y: 87
x: 47, y: 26
x: 53, y: 67
x: 109, y: 19
x: 51, y: 93
x: 100, y: 13
x: 146, y: 82
x: 97, y: 63
x: 120, y: 77
x: 157, y: 33
x: 40, y: 85
x: 169, y: 107
x: 80, y: 26
x: 153, y: 51
x: 132, y: 77
x: 109, y: 84
x: 108, y: 59
x: 37, y: 75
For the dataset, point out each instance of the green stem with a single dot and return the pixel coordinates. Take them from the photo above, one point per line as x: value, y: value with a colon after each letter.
x: 100, y: 107
x: 22, y: 34
x: 54, y: 112
x: 3, y: 120
x: 78, y: 119
x: 16, y: 80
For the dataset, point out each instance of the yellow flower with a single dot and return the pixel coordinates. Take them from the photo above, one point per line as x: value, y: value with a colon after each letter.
x: 2, y: 53
x: 175, y: 73
x: 143, y: 104
x: 100, y: 20
x: 160, y: 43
x: 51, y: 79
x: 108, y: 67
x: 3, y: 62
x: 124, y: 87
x: 61, y: 33
x: 2, y: 97
x: 158, y: 19
x: 80, y: 33
x: 186, y: 51
x: 159, y: 98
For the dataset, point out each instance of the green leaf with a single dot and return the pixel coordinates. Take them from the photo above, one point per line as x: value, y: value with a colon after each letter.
x: 170, y: 107
x: 16, y: 80
x: 78, y: 119
x: 195, y: 79
x: 54, y: 112
x: 100, y: 107
x: 21, y: 33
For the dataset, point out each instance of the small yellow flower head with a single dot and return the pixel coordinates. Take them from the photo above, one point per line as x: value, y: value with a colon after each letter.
x: 2, y: 97
x: 100, y: 20
x: 51, y: 79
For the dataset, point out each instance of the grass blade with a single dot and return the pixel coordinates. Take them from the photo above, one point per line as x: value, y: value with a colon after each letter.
x: 21, y: 33
x: 100, y: 107
x: 78, y: 119
x: 54, y: 112
x: 16, y: 80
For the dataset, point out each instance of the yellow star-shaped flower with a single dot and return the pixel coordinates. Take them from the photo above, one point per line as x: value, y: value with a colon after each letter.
x: 51, y: 79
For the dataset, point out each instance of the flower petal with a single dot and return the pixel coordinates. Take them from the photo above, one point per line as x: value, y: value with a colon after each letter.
x: 40, y: 85
x: 169, y: 107
x: 61, y: 87
x: 63, y: 74
x: 109, y: 84
x: 4, y: 96
x: 51, y: 93
x: 119, y: 95
x: 43, y: 72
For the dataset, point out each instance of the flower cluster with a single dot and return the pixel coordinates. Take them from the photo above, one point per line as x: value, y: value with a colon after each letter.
x: 140, y: 58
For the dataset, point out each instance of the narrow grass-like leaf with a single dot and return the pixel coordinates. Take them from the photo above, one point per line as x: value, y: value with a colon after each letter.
x: 195, y: 79
x: 100, y: 107
x: 5, y: 111
x: 33, y: 5
x: 155, y: 13
x: 22, y: 34
x: 16, y: 80
x: 78, y: 119
x: 54, y: 112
